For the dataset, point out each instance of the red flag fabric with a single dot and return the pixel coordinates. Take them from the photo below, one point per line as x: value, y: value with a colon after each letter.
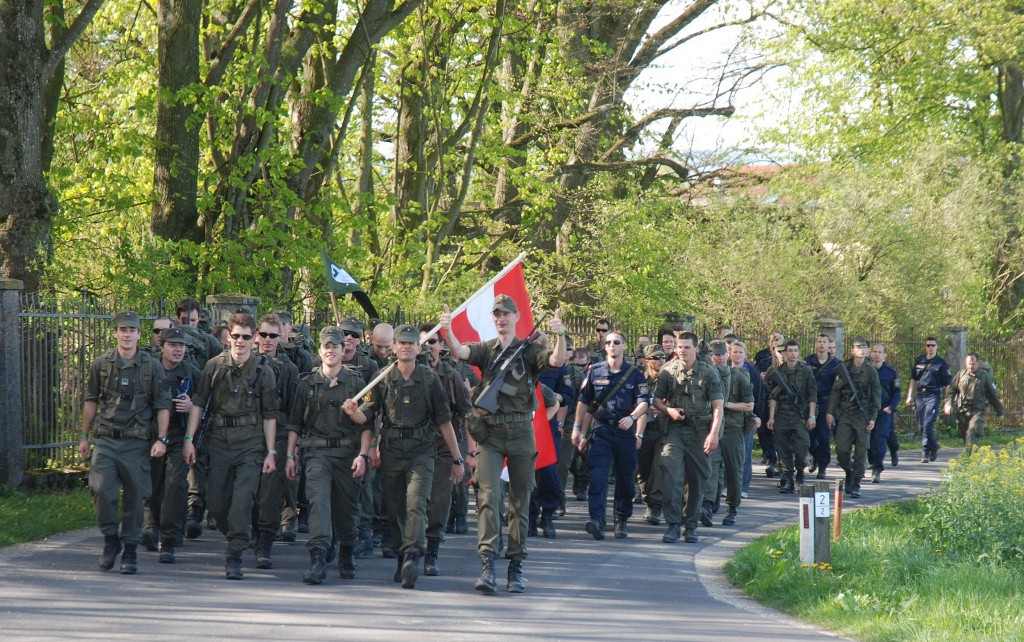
x: 475, y: 323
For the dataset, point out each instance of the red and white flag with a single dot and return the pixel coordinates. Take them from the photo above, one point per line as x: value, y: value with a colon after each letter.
x: 472, y: 321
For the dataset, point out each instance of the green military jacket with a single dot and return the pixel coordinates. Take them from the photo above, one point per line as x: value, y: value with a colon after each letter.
x: 801, y: 380
x: 127, y: 392
x: 521, y: 380
x: 416, y: 406
x: 242, y: 395
x: 692, y: 389
x: 317, y: 412
x: 739, y: 391
x: 970, y: 392
x: 181, y: 379
x: 656, y: 422
x: 869, y: 389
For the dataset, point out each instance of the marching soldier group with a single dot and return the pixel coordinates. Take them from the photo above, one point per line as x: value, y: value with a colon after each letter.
x: 393, y: 450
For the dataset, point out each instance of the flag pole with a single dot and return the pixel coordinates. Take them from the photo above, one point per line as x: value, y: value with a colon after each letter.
x: 383, y: 373
x: 334, y: 304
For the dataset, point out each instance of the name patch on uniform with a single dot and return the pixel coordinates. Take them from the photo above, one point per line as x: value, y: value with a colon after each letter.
x: 602, y: 382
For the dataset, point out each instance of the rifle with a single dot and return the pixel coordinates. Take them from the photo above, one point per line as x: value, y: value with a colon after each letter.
x: 845, y: 372
x: 792, y: 396
x: 204, y: 424
x: 487, y: 400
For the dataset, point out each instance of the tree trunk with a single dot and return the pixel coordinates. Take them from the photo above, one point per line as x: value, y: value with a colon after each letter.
x: 176, y: 165
x: 28, y: 206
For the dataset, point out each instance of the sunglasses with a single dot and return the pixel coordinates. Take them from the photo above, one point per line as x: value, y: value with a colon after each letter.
x: 931, y: 345
x: 243, y: 337
x: 157, y: 330
x: 268, y: 335
x: 433, y: 340
x: 661, y: 358
x: 613, y: 342
x: 601, y: 329
x: 349, y: 333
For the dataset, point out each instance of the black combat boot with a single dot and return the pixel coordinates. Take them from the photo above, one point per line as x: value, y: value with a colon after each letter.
x: 387, y: 551
x: 486, y: 583
x: 333, y: 549
x: 799, y: 477
x: 621, y: 532
x: 398, y: 571
x: 672, y: 535
x: 690, y: 535
x: 515, y: 577
x: 288, y: 533
x: 531, y: 530
x: 730, y: 517
x: 347, y: 563
x: 151, y: 539
x: 364, y: 542
x: 410, y: 570
x: 130, y: 559
x: 167, y: 551
x: 430, y: 566
x: 654, y: 519
x: 111, y: 549
x: 706, y: 509
x: 848, y: 485
x: 264, y: 545
x: 855, y: 491
x: 547, y: 525
x: 194, y: 527
x: 787, y: 485
x: 317, y: 571
x: 233, y: 566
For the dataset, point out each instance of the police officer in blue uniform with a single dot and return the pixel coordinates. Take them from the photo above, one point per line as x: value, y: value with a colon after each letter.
x: 611, y: 415
x: 824, y: 367
x: 884, y: 432
x: 929, y: 375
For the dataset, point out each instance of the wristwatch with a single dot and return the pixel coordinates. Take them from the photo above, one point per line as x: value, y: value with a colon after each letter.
x: 164, y: 439
x: 458, y: 462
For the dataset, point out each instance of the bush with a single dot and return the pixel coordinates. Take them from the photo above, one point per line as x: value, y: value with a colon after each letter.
x: 977, y: 511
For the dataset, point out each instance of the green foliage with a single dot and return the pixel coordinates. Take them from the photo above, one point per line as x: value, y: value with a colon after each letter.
x: 976, y: 512
x: 26, y: 517
x: 885, y: 582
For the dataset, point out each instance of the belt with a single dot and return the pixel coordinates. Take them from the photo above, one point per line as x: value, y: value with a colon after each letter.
x: 507, y: 418
x: 404, y: 433
x: 249, y: 419
x: 327, y: 442
x: 928, y: 390
x: 118, y: 433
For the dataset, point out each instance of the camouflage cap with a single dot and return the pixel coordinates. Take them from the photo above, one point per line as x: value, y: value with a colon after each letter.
x: 653, y: 351
x: 407, y: 333
x: 126, y: 319
x: 173, y: 335
x: 505, y: 303
x: 332, y: 334
x: 352, y: 324
x: 719, y: 347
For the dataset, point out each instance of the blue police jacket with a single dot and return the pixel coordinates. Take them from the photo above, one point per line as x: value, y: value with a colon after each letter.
x: 600, y: 380
x: 824, y: 376
x: 890, y: 382
x: 931, y: 375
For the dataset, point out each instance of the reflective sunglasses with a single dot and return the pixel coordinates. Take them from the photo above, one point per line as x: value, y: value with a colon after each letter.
x: 613, y: 342
x: 243, y: 337
x: 349, y: 333
x: 267, y: 335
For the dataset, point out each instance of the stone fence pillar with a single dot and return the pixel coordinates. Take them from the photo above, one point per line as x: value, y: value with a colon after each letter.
x: 956, y: 346
x: 222, y: 306
x: 12, y: 463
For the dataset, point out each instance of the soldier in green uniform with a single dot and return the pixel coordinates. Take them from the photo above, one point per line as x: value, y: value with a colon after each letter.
x: 460, y: 406
x: 371, y: 507
x: 792, y: 404
x: 413, y: 407
x: 165, y: 508
x: 689, y: 393
x: 243, y: 399
x: 648, y: 472
x: 272, y: 493
x: 335, y: 435
x: 738, y: 405
x: 968, y: 393
x: 857, y: 407
x: 507, y: 434
x: 122, y: 397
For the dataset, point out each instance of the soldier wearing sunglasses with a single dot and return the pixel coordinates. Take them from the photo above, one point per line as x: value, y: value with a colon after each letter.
x: 243, y: 399
x: 165, y: 508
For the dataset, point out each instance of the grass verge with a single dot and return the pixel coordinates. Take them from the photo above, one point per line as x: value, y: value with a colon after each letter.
x: 886, y: 582
x: 30, y: 516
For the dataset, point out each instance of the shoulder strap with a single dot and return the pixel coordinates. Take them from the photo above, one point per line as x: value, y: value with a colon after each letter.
x: 614, y: 389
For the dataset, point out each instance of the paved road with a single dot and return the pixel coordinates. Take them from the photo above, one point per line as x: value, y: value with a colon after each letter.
x: 578, y: 589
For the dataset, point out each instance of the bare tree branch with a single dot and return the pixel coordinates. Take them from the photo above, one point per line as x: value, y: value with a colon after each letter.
x: 73, y: 33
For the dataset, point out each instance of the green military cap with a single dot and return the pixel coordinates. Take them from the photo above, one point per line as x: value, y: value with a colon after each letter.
x: 407, y: 333
x: 860, y: 341
x: 654, y: 351
x: 126, y: 319
x: 284, y: 316
x: 719, y: 347
x: 332, y: 334
x: 352, y: 324
x: 505, y: 303
x: 173, y: 335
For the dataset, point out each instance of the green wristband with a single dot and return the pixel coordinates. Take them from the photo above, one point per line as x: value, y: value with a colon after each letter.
x: 85, y: 435
x: 188, y: 438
